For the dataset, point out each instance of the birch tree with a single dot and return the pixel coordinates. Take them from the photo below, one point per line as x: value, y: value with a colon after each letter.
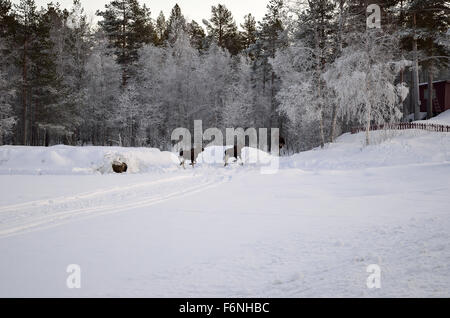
x: 364, y: 80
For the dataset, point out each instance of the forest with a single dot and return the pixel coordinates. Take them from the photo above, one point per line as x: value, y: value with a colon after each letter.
x: 313, y: 69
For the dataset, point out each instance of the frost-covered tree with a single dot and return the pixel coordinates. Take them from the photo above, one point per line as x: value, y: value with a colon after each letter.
x: 170, y: 87
x: 176, y: 24
x: 297, y: 98
x: 217, y: 75
x: 239, y: 97
x: 152, y: 93
x: 304, y: 91
x: 364, y: 80
x: 128, y: 118
x: 103, y: 90
x: 270, y: 39
x: 160, y: 29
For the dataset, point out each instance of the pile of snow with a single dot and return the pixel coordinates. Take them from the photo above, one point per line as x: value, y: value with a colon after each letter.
x: 388, y: 148
x: 80, y: 160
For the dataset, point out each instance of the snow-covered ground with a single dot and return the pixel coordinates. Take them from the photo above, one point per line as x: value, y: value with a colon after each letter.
x: 309, y: 230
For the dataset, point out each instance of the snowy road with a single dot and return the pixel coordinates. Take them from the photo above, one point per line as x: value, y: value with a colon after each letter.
x: 217, y: 232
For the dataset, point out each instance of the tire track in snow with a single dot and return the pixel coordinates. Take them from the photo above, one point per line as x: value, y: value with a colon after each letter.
x: 39, y: 220
x: 81, y: 196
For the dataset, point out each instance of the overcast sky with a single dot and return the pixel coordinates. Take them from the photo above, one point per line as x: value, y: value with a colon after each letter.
x: 192, y: 9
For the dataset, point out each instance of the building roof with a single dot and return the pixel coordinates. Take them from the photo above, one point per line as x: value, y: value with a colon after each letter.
x: 436, y: 82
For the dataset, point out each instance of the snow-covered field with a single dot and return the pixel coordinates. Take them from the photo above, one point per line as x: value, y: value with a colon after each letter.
x: 160, y: 231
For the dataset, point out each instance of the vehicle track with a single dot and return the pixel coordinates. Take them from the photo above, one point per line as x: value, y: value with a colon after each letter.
x: 37, y: 215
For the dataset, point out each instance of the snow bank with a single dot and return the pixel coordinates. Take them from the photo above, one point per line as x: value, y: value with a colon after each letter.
x: 80, y: 160
x: 90, y: 160
x: 389, y: 148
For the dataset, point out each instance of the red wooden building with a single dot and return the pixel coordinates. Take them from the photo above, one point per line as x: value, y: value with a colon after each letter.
x: 441, y: 96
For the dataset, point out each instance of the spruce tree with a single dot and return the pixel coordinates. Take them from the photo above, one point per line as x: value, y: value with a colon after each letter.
x: 176, y: 24
x: 161, y: 29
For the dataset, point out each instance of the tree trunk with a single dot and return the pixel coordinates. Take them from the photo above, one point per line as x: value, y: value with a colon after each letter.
x: 430, y: 93
x: 335, y: 106
x: 24, y: 93
x: 405, y: 105
x: 369, y: 110
x: 321, y: 124
x: 322, y: 134
x: 333, y: 123
x: 319, y: 88
x: 416, y: 76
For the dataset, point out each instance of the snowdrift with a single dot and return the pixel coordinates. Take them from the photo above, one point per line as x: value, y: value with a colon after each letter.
x: 81, y: 160
x: 62, y: 160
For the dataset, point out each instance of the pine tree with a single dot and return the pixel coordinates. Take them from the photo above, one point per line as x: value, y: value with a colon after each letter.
x: 222, y: 29
x: 128, y: 26
x: 197, y: 35
x: 249, y: 33
x: 7, y: 19
x: 45, y: 111
x: 76, y: 49
x: 25, y: 38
